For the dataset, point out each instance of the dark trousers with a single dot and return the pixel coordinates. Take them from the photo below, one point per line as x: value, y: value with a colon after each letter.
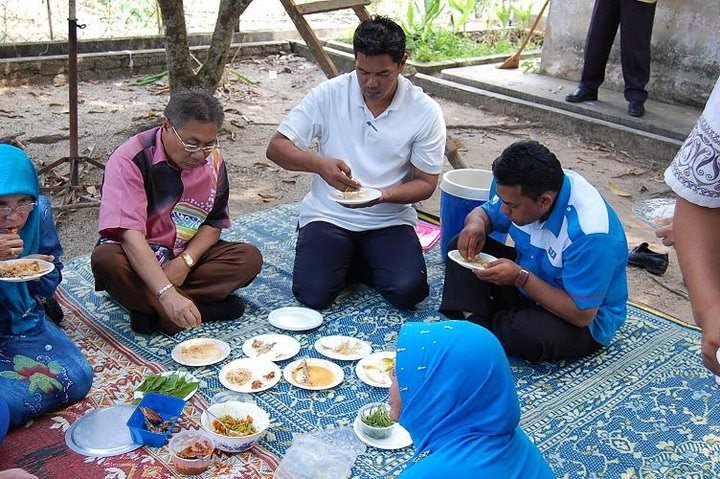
x: 328, y: 257
x: 525, y: 329
x: 225, y: 267
x: 636, y: 23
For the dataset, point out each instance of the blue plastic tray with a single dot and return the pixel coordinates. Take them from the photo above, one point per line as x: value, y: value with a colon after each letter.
x: 166, y: 406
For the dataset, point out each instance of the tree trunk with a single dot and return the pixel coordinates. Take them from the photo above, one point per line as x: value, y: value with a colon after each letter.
x: 177, y: 51
x: 214, y: 65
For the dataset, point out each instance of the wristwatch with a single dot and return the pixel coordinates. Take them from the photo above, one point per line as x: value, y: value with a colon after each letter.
x: 189, y: 261
x: 521, y: 278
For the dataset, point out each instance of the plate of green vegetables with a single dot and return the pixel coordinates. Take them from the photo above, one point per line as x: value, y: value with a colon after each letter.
x: 180, y: 384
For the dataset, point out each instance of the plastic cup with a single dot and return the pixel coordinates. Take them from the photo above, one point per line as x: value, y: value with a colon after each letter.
x: 191, y: 452
x: 371, y: 431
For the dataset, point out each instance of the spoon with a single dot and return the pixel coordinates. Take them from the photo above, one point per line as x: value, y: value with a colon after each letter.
x: 228, y: 432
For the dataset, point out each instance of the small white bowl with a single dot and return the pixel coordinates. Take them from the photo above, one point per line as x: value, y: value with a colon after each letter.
x: 236, y: 409
x: 371, y: 431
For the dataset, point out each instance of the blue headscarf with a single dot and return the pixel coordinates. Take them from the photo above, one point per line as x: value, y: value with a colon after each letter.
x: 18, y: 177
x: 460, y: 406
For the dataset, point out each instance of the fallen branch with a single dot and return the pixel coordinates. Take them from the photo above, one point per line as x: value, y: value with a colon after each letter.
x: 47, y: 139
x: 679, y: 292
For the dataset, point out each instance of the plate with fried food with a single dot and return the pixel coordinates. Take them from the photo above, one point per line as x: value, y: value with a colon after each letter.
x: 249, y: 375
x: 376, y: 368
x: 200, y: 352
x: 356, y: 197
x: 478, y: 262
x: 345, y: 348
x: 313, y: 374
x: 275, y: 347
x: 24, y: 269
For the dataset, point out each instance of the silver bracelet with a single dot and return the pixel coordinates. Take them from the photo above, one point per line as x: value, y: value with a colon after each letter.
x: 163, y: 290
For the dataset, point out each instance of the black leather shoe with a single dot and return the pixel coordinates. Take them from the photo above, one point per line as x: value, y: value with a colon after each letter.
x: 231, y: 307
x: 144, y: 323
x: 636, y: 109
x: 581, y: 95
x: 52, y: 309
x: 652, y: 262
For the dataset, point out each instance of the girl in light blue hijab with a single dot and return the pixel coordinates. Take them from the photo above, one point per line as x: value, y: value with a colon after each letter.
x: 454, y: 392
x: 40, y: 367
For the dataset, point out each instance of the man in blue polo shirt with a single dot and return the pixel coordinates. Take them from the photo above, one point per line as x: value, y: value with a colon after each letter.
x: 561, y: 291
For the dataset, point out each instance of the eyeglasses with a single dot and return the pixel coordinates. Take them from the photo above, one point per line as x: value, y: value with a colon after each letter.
x: 191, y: 148
x: 21, y: 209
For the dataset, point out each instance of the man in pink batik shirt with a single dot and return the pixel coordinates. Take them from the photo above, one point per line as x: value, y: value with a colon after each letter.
x: 164, y: 204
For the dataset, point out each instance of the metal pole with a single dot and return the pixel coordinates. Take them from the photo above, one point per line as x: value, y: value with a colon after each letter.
x: 73, y: 80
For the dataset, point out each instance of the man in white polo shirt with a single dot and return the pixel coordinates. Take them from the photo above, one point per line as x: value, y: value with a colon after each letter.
x: 374, y: 129
x: 560, y: 292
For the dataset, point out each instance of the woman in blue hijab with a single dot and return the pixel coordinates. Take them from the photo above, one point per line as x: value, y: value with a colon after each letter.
x: 40, y: 367
x: 454, y: 392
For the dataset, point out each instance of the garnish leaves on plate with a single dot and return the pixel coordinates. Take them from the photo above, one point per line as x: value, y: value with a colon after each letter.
x: 174, y: 384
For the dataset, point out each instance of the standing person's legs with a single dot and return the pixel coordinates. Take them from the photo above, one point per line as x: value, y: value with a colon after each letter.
x: 530, y: 332
x: 322, y: 259
x: 636, y: 25
x: 396, y: 266
x: 600, y: 37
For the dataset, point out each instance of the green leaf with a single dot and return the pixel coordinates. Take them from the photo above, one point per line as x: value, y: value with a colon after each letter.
x: 172, y: 384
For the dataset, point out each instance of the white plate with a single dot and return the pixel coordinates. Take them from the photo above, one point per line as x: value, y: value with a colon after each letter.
x: 323, y: 363
x: 200, y: 352
x: 398, y: 439
x: 327, y: 346
x: 188, y: 376
x: 370, y: 369
x: 295, y: 318
x: 363, y: 195
x: 45, y: 265
x: 258, y: 369
x: 457, y: 257
x: 281, y: 347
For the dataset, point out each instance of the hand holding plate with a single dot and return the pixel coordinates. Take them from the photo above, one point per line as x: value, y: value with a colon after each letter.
x: 501, y: 272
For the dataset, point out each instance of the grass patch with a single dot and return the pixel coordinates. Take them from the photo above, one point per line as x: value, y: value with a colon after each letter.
x: 444, y: 45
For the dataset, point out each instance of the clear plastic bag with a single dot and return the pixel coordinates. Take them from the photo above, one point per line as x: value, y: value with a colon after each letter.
x: 328, y: 454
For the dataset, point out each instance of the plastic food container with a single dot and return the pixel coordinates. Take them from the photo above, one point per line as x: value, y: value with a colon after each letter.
x: 371, y: 431
x: 191, y: 452
x: 168, y: 408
